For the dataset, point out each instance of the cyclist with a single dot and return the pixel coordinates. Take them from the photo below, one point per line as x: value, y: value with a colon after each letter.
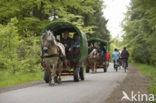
x: 115, y: 56
x: 125, y: 55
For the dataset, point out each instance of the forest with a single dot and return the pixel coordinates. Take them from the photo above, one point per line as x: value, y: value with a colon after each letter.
x: 21, y: 23
x: 140, y: 31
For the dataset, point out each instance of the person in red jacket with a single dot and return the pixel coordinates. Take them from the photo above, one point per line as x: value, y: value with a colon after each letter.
x: 107, y: 58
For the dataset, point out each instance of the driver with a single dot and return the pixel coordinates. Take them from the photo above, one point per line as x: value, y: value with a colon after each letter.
x: 67, y: 41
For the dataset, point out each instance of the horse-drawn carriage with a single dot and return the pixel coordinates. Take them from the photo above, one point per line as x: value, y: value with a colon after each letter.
x: 73, y: 66
x: 98, y: 49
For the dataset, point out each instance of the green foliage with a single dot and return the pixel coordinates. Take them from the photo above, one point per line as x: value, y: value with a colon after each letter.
x: 30, y: 54
x: 18, y: 54
x: 21, y: 22
x: 9, y: 42
x: 98, y: 21
x: 149, y: 71
x: 140, y: 31
x: 115, y: 43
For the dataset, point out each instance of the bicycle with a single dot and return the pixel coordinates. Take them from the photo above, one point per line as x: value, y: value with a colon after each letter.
x: 124, y: 64
x: 116, y: 65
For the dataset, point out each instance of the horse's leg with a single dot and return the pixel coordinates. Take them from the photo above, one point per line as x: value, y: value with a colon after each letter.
x: 59, y: 78
x: 59, y: 72
x: 49, y: 70
x: 50, y: 79
x: 92, y: 66
x: 53, y: 74
x: 95, y: 67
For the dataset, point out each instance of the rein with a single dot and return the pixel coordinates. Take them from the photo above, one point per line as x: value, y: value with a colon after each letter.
x: 50, y: 56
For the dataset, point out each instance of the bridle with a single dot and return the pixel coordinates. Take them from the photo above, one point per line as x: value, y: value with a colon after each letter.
x: 47, y: 48
x: 52, y: 55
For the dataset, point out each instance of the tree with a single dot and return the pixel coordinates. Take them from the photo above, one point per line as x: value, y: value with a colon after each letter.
x: 98, y: 21
x: 21, y: 22
x: 140, y: 31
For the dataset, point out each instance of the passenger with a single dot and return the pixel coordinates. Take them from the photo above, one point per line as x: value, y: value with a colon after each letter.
x: 102, y: 51
x: 75, y: 46
x: 96, y: 45
x: 76, y: 41
x: 67, y: 41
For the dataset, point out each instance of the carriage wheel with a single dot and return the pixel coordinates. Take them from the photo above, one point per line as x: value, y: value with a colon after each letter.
x: 105, y: 68
x: 87, y: 69
x: 46, y: 76
x: 116, y: 68
x: 81, y: 73
x: 76, y: 74
x: 124, y: 65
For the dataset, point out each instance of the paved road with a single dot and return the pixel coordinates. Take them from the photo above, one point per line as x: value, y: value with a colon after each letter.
x: 95, y: 89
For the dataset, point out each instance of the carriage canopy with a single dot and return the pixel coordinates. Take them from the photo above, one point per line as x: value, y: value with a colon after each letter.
x: 93, y: 40
x: 58, y: 27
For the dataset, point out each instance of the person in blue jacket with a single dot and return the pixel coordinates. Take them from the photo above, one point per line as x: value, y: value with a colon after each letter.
x: 115, y: 55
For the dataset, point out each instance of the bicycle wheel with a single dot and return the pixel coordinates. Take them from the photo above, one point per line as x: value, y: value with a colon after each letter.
x: 125, y: 66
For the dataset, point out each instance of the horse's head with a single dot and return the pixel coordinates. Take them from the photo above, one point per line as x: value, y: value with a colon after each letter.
x: 48, y: 39
x: 94, y: 53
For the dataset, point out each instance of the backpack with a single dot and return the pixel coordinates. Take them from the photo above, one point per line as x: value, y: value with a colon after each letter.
x: 124, y: 54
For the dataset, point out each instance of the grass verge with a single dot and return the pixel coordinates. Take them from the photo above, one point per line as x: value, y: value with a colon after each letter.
x: 149, y: 71
x: 9, y: 79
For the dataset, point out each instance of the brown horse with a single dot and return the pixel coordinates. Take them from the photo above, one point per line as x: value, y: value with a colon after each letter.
x: 93, y: 60
x: 52, y: 54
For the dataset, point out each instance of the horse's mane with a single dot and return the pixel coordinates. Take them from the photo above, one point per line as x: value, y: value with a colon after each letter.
x: 48, y: 35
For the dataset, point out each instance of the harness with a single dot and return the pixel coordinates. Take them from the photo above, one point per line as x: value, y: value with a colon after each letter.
x: 50, y: 56
x: 53, y: 55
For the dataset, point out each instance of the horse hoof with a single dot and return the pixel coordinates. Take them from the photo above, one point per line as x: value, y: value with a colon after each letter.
x: 52, y: 84
x: 59, y: 81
